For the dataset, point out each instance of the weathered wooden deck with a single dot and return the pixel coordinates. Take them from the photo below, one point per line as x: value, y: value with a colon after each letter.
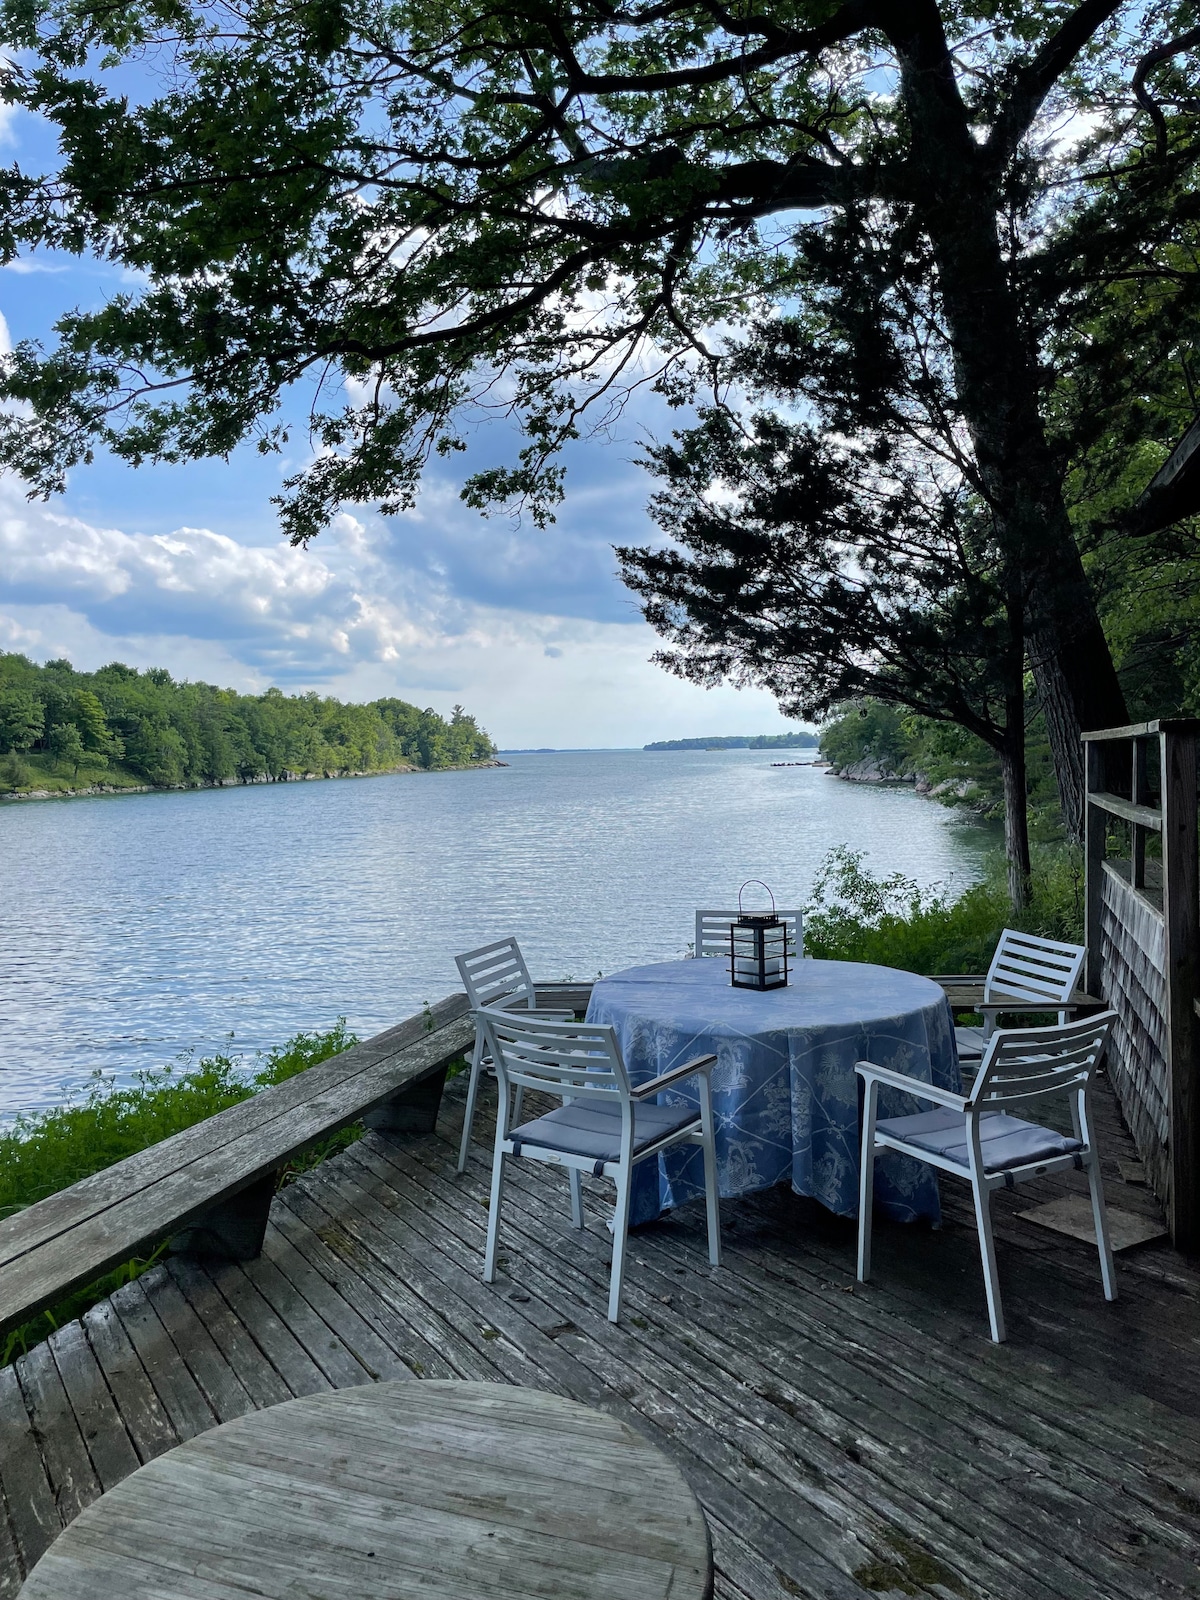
x: 842, y: 1440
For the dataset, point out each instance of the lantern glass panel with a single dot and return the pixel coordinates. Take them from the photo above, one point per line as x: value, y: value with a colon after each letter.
x: 758, y: 956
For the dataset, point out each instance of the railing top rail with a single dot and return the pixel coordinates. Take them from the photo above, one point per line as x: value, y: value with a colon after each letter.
x: 1117, y: 806
x: 1140, y: 730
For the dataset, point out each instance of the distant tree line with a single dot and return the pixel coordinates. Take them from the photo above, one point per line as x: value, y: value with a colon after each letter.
x: 166, y: 733
x: 756, y: 741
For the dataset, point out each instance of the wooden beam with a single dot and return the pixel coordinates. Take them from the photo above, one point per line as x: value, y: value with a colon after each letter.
x: 1117, y: 806
x: 1140, y: 730
x: 1095, y: 828
x: 196, y: 1179
x: 1181, y: 907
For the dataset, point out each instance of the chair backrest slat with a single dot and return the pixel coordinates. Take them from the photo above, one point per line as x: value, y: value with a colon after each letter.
x: 1024, y: 1064
x: 496, y: 974
x: 712, y: 932
x: 571, y: 1059
x: 1027, y: 967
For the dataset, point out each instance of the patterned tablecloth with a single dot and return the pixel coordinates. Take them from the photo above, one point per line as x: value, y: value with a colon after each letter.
x: 785, y: 1093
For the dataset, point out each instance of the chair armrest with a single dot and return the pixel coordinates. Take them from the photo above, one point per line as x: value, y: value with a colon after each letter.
x: 914, y: 1086
x: 666, y: 1080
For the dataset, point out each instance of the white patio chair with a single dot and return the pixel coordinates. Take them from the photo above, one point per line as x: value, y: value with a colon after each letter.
x: 1027, y: 973
x: 494, y: 975
x: 603, y: 1126
x: 974, y: 1136
x: 712, y: 932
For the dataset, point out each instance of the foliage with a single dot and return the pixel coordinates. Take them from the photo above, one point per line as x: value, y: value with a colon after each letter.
x: 890, y: 921
x: 49, y: 1150
x: 958, y: 769
x: 756, y: 741
x: 460, y: 210
x: 870, y: 730
x: 122, y: 725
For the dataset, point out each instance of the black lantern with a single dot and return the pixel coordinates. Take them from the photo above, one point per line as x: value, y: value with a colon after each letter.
x: 758, y: 954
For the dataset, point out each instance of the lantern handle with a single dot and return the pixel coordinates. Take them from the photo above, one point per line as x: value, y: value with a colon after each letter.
x: 761, y: 885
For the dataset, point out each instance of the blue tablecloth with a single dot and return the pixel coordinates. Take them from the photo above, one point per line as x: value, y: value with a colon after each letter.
x: 785, y: 1093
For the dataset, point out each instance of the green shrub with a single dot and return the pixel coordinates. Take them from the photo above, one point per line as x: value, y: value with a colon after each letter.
x: 890, y: 921
x: 15, y: 773
x: 50, y: 1150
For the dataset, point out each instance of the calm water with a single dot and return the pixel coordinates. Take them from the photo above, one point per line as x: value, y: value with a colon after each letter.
x: 136, y: 927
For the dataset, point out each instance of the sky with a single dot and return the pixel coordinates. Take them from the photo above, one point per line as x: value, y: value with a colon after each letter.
x: 184, y: 567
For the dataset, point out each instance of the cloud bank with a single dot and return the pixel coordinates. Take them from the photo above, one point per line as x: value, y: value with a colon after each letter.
x: 531, y: 630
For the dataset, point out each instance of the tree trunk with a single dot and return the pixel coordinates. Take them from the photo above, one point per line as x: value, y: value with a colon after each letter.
x: 1016, y: 813
x: 998, y: 381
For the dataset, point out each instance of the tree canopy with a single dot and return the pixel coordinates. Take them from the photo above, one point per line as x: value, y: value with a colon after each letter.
x: 432, y: 212
x: 168, y: 733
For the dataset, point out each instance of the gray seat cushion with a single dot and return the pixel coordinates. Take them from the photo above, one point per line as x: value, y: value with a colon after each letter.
x: 1005, y: 1141
x: 585, y: 1128
x: 970, y: 1042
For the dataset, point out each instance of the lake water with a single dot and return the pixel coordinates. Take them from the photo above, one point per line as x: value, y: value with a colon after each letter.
x: 135, y: 927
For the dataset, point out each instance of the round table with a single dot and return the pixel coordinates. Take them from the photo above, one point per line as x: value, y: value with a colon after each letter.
x: 394, y: 1491
x: 785, y: 1093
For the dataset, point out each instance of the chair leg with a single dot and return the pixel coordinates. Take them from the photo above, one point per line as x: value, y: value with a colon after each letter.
x: 712, y: 1194
x: 576, y: 1197
x: 620, y: 1236
x: 493, y: 1233
x: 1100, y: 1219
x: 987, y: 1250
x: 472, y: 1095
x: 866, y: 1183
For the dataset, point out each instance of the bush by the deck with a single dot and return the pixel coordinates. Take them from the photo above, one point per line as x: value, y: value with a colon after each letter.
x: 50, y: 1150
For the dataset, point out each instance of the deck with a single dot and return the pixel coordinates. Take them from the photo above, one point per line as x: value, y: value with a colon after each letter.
x: 844, y: 1441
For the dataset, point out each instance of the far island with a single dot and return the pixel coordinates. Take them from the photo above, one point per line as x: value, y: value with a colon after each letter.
x: 756, y: 741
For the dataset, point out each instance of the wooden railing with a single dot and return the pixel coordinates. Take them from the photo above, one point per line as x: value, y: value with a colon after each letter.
x: 1143, y: 939
x: 209, y: 1188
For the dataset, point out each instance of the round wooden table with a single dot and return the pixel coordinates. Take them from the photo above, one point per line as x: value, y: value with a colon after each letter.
x: 460, y: 1491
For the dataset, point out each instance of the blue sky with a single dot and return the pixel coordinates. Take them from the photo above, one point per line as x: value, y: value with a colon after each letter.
x: 184, y: 567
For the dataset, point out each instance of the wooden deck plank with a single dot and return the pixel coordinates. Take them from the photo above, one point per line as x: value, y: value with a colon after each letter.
x: 355, y: 1318
x: 333, y: 1338
x: 68, y: 1465
x: 931, y: 1447
x: 142, y: 1412
x: 834, y: 1437
x: 763, y: 1407
x: 245, y: 1359
x: 570, y: 1361
x: 105, y: 1437
x: 285, y: 1352
x: 220, y: 1385
x: 32, y: 1513
x: 176, y: 1388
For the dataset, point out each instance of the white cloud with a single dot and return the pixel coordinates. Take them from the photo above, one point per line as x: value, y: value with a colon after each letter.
x: 437, y: 609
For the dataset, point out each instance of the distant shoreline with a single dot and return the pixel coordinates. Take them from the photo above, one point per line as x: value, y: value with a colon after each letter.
x: 90, y: 791
x: 756, y: 741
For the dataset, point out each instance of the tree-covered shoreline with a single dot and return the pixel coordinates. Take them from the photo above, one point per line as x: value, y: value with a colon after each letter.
x: 63, y: 730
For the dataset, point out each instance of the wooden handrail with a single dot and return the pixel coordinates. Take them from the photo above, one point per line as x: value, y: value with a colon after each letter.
x: 1139, y: 730
x: 1116, y: 805
x: 214, y: 1181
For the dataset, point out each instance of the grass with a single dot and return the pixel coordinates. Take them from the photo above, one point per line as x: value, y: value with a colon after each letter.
x: 892, y: 922
x: 50, y: 1150
x: 28, y: 770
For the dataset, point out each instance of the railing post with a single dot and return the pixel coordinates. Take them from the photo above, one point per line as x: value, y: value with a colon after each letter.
x: 1181, y: 910
x: 1095, y: 831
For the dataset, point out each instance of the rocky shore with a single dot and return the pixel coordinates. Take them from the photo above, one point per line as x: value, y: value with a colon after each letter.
x: 950, y: 791
x: 230, y: 783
